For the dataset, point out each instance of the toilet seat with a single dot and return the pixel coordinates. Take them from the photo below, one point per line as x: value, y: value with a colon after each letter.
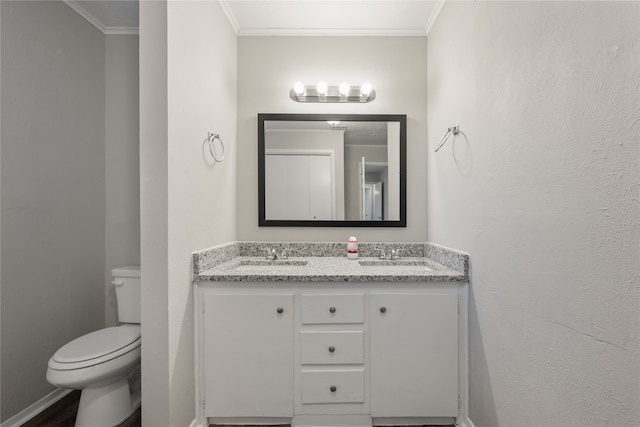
x: 96, y: 347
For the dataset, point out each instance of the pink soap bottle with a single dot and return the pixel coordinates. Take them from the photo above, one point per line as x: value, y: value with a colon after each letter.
x: 352, y: 248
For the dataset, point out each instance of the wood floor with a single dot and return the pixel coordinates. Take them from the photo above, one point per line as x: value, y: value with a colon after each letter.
x: 63, y: 414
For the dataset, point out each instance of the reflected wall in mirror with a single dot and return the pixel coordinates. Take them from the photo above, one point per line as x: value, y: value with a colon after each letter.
x: 332, y: 170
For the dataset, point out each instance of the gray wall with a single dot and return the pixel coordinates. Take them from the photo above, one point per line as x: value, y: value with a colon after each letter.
x: 122, y: 151
x: 267, y: 69
x: 542, y: 189
x: 53, y: 195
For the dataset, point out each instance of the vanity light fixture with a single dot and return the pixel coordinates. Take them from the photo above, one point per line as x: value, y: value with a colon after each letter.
x: 365, y: 89
x: 344, y: 89
x: 321, y: 87
x: 321, y: 92
x: 298, y: 88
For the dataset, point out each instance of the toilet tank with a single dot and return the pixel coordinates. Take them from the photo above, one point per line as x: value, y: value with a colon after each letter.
x: 127, y: 283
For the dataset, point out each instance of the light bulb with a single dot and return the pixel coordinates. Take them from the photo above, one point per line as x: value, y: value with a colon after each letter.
x: 365, y: 89
x: 298, y: 88
x: 321, y: 87
x: 344, y: 89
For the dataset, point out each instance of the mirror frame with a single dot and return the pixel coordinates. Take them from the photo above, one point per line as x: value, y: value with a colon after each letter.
x: 400, y: 118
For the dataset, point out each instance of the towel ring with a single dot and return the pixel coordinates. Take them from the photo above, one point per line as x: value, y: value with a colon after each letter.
x: 451, y: 131
x: 211, y: 137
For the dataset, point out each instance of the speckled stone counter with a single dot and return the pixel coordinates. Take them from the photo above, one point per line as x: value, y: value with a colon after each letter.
x: 327, y: 262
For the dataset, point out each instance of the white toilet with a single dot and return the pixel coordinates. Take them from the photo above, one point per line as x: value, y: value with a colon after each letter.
x: 105, y: 364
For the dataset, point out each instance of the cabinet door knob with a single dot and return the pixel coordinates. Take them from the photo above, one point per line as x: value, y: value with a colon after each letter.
x: 333, y: 389
x: 280, y: 310
x: 332, y: 349
x: 383, y: 309
x: 332, y: 310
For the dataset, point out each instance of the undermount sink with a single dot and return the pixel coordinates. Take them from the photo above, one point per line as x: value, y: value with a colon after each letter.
x: 395, y: 265
x: 268, y: 265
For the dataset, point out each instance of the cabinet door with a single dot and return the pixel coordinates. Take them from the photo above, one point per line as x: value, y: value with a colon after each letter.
x: 248, y: 355
x: 414, y: 355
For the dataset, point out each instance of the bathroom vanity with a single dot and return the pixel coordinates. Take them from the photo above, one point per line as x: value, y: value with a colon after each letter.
x: 323, y: 340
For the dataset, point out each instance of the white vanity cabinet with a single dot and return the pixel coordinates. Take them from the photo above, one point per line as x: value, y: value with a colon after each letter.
x: 247, y: 342
x: 348, y: 354
x: 414, y: 355
x: 332, y: 369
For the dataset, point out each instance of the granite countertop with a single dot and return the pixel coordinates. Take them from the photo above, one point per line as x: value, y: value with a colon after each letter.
x: 242, y: 265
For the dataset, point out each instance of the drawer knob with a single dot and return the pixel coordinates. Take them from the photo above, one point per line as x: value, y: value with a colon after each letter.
x: 332, y: 310
x: 333, y: 389
x: 383, y: 310
x: 280, y: 310
x: 332, y: 349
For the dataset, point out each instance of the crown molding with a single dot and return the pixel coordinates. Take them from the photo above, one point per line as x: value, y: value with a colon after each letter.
x: 224, y: 4
x: 329, y: 32
x: 86, y: 15
x: 434, y: 16
x: 93, y: 21
x: 262, y: 32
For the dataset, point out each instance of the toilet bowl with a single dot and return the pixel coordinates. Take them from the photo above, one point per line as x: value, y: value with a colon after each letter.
x: 105, y: 364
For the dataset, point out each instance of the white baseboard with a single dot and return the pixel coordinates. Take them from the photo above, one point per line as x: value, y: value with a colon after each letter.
x: 462, y: 422
x: 465, y: 422
x: 34, y: 409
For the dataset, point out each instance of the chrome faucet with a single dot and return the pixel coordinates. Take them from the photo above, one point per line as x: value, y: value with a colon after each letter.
x: 383, y: 255
x: 395, y: 254
x: 271, y: 254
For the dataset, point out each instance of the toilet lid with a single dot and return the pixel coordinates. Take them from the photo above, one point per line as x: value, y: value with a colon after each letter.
x: 97, y: 344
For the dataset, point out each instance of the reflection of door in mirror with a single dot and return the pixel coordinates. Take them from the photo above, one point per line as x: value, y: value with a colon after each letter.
x: 373, y: 176
x: 382, y: 163
x: 372, y: 201
x: 299, y: 186
x: 302, y: 181
x: 363, y: 189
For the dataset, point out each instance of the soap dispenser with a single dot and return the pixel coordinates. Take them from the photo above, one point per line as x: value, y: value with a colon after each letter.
x: 352, y: 248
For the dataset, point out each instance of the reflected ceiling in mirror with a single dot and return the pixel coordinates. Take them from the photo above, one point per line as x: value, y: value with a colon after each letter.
x: 332, y: 170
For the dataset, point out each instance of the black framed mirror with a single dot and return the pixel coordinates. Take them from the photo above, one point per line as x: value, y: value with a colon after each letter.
x: 332, y: 170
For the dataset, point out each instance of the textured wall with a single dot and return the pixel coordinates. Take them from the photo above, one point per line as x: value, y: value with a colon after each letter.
x: 267, y: 69
x: 542, y: 189
x: 53, y: 171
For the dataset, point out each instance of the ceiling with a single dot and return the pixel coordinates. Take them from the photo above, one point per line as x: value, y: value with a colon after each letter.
x: 287, y: 17
x: 327, y: 17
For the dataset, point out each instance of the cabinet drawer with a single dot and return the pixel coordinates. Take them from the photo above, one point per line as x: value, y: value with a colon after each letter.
x: 347, y: 386
x: 332, y: 308
x: 332, y: 347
